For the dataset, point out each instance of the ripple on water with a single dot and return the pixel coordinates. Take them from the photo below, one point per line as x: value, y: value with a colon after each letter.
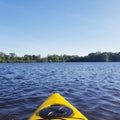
x: 94, y: 88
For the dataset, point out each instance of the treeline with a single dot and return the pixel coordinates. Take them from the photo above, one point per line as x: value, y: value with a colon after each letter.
x: 92, y: 57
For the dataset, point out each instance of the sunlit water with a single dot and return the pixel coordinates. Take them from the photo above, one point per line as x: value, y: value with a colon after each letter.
x: 94, y: 88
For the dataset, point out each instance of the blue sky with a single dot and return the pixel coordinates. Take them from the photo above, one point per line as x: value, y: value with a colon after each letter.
x: 73, y: 27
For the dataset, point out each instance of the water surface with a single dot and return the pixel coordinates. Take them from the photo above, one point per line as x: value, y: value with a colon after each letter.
x: 94, y: 88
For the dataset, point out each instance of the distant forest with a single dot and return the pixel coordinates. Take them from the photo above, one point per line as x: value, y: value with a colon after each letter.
x: 92, y: 57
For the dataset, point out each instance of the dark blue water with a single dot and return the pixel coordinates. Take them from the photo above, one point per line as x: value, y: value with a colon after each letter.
x: 94, y: 88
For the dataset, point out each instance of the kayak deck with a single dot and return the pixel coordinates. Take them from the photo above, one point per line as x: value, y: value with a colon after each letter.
x: 57, y: 108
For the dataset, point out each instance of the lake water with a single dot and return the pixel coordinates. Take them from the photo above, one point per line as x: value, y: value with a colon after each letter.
x: 93, y: 88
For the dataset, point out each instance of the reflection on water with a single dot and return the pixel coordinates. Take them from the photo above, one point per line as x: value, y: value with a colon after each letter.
x: 94, y: 88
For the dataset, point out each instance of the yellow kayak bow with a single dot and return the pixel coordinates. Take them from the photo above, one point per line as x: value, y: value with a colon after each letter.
x: 57, y: 108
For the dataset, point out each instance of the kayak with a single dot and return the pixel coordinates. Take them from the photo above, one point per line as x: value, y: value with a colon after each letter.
x: 56, y: 107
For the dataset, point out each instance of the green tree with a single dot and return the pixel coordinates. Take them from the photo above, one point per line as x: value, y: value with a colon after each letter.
x: 27, y: 58
x: 12, y: 57
x: 2, y: 57
x: 53, y: 58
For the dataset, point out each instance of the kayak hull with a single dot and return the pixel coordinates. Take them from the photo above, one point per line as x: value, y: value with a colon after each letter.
x: 57, y: 99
